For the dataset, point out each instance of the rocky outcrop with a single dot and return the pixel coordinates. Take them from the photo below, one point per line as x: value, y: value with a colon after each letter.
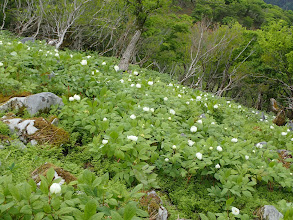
x: 269, y: 212
x: 34, y: 104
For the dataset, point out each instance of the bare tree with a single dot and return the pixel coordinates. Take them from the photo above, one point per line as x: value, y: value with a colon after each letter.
x: 3, y: 6
x: 60, y: 16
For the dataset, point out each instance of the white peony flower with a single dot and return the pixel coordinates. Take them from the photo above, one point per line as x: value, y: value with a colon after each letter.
x: 174, y: 147
x: 76, y: 97
x: 152, y: 109
x: 211, y: 148
x: 169, y: 118
x: 246, y: 157
x: 212, y: 123
x: 172, y: 111
x: 56, y: 54
x: 216, y: 106
x: 193, y: 129
x: 1, y: 64
x: 235, y: 211
x: 132, y: 116
x: 218, y: 166
x: 105, y: 119
x: 166, y: 159
x: 55, y: 188
x: 253, y: 151
x: 138, y: 85
x: 198, y: 98
x: 146, y: 109
x: 71, y: 55
x: 132, y: 85
x: 88, y: 56
x: 83, y: 62
x: 272, y: 127
x: 129, y: 80
x: 234, y: 140
x: 135, y: 73
x: 150, y: 83
x: 239, y: 106
x: 71, y: 99
x: 104, y: 141
x: 198, y: 155
x: 187, y: 103
x: 199, y: 121
x: 219, y: 148
x: 228, y: 102
x: 179, y: 95
x: 284, y: 133
x: 190, y: 143
x: 170, y: 84
x: 165, y: 99
x: 121, y: 80
x: 104, y: 63
x: 291, y: 139
x: 116, y: 68
x: 132, y: 137
x: 259, y: 145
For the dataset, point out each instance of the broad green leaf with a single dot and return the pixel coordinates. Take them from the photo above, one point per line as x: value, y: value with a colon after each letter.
x: 90, y: 209
x: 129, y: 211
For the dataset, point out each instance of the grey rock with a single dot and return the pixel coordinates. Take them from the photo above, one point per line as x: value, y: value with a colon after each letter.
x: 18, y: 144
x: 33, y: 142
x: 202, y: 116
x: 271, y: 213
x: 2, y: 146
x: 51, y: 75
x: 34, y: 104
x: 162, y: 214
x: 21, y: 127
x: 26, y: 39
x: 290, y: 125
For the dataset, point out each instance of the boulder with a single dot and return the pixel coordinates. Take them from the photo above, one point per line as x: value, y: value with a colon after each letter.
x: 34, y: 104
x: 269, y: 212
x: 36, y: 130
x: 26, y: 39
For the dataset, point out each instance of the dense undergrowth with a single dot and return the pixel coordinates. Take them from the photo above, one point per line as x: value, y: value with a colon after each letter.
x: 137, y: 131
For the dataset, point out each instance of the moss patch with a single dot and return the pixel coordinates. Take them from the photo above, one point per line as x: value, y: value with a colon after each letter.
x: 5, y: 98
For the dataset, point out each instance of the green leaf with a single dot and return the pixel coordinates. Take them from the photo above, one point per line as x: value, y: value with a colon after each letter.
x: 119, y: 154
x: 114, y: 135
x: 247, y: 193
x: 39, y: 216
x: 27, y: 209
x: 129, y: 211
x: 203, y: 217
x: 116, y: 216
x: 66, y: 210
x: 55, y: 202
x: 90, y: 209
x: 212, y: 216
x: 7, y: 206
x: 50, y: 174
x: 137, y: 188
x: 14, y: 191
x: 113, y: 202
x: 229, y: 202
x: 97, y: 216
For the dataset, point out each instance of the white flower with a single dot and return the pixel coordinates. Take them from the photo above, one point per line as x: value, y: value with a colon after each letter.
x: 190, y: 143
x: 239, y: 106
x: 13, y: 53
x: 193, y: 129
x: 132, y: 137
x: 135, y: 73
x: 284, y: 133
x: 205, y: 104
x: 105, y: 119
x: 228, y: 102
x: 129, y: 80
x: 1, y: 42
x: 71, y: 99
x: 116, y: 68
x: 246, y: 157
x: 169, y: 118
x: 259, y: 145
x: 199, y: 121
x: 216, y: 106
x: 56, y: 54
x: 174, y: 147
x: 219, y: 148
x: 1, y: 64
x: 166, y: 159
x: 291, y: 139
x: 191, y: 99
x: 132, y: 85
x: 88, y: 56
x: 150, y: 83
x: 234, y: 140
x: 71, y: 55
x: 104, y: 141
x: 97, y: 71
x: 152, y: 109
x: 172, y: 111
x: 272, y: 127
x: 198, y: 98
x: 235, y: 211
x: 76, y: 97
x: 146, y: 109
x: 165, y: 99
x: 170, y: 84
x: 212, y: 123
x: 179, y: 95
x: 187, y: 103
x: 55, y: 188
x: 138, y: 85
x: 211, y: 148
x: 218, y: 166
x: 198, y: 155
x: 253, y: 151
x: 9, y: 43
x: 121, y: 80
x: 83, y: 62
x: 288, y: 130
x: 132, y: 116
x: 104, y: 63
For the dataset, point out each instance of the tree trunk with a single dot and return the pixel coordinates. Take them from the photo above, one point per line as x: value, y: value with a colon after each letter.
x: 124, y: 62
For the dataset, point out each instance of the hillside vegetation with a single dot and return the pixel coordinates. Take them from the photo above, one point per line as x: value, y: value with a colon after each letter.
x: 132, y: 132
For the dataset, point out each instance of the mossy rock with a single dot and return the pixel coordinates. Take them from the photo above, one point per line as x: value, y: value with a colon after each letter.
x: 43, y: 169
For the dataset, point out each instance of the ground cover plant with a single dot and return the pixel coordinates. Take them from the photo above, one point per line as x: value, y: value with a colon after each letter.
x: 133, y: 132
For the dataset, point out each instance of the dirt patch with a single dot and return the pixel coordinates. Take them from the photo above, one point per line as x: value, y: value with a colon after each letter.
x: 4, y: 98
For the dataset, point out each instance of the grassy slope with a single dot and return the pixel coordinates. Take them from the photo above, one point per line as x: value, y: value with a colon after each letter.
x: 184, y: 178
